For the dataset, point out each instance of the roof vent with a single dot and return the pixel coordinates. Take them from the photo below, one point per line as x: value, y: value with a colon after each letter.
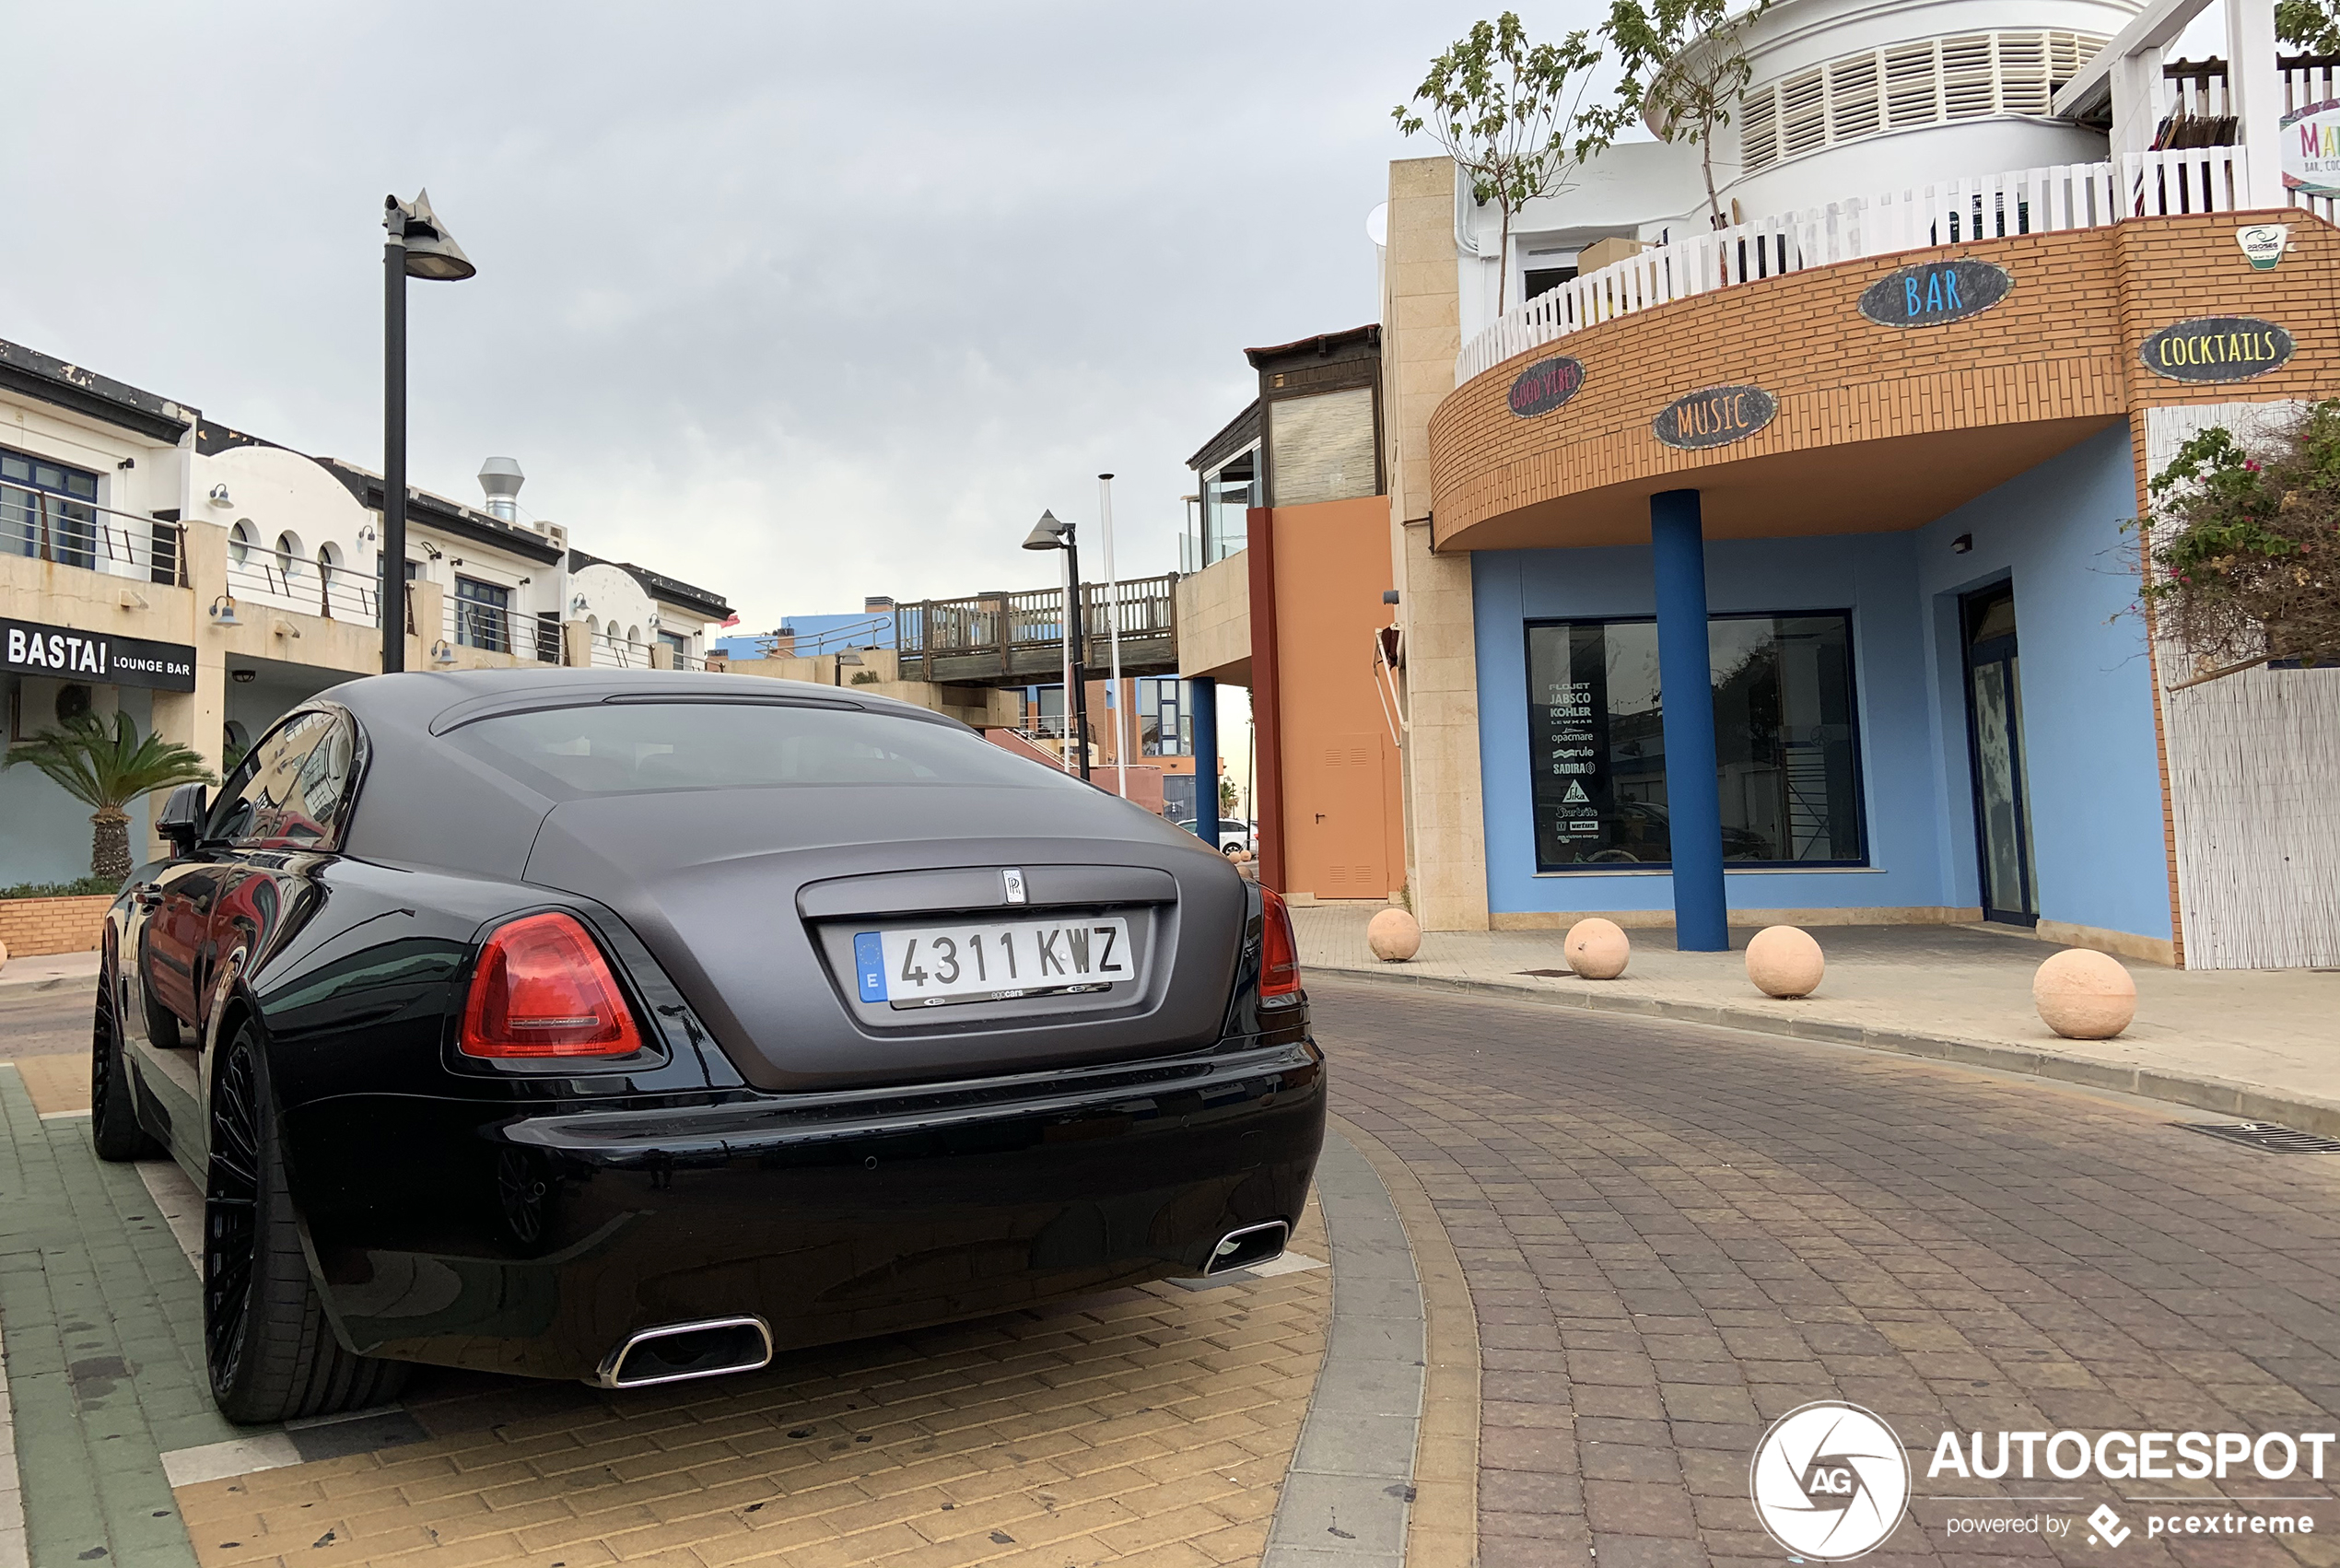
x: 501, y: 478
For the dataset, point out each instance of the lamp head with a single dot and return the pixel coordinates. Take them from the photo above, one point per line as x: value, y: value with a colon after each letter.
x: 848, y: 658
x: 1047, y: 533
x: 431, y: 251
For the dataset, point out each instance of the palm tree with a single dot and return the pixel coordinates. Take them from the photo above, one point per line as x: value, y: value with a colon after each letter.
x: 106, y: 772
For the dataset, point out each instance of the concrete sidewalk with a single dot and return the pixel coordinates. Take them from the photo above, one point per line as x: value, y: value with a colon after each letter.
x: 51, y: 971
x: 2260, y: 1045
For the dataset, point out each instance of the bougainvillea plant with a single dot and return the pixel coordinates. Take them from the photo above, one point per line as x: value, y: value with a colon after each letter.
x: 2243, y: 546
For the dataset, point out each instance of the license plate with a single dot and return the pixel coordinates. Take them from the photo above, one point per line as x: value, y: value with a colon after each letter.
x: 933, y: 964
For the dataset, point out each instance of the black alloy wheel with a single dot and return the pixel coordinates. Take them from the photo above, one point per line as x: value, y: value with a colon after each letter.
x: 114, y: 1109
x: 272, y: 1354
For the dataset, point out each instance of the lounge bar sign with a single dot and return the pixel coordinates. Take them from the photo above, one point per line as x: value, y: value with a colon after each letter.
x: 1715, y: 416
x: 2217, y: 348
x: 1543, y: 387
x: 30, y: 648
x: 1933, y: 293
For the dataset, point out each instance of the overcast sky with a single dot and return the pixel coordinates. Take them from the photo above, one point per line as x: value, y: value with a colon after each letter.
x: 795, y: 302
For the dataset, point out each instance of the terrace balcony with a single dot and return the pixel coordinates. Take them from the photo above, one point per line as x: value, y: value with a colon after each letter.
x: 2167, y: 183
x: 1017, y: 640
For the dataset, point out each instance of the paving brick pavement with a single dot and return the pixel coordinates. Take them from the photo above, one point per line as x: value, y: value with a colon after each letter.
x: 1150, y: 1428
x: 104, y: 1346
x: 1672, y: 1236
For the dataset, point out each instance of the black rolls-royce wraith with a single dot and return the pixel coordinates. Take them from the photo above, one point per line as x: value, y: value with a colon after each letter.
x: 641, y: 1027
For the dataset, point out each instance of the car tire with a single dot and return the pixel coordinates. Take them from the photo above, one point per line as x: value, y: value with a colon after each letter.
x: 113, y: 1100
x: 272, y: 1354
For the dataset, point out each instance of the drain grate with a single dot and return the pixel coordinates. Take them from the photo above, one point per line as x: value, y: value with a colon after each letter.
x: 2266, y: 1135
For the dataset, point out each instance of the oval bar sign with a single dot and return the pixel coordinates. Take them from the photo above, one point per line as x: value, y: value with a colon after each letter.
x: 1933, y: 293
x: 1543, y: 387
x: 2217, y: 348
x: 1715, y: 416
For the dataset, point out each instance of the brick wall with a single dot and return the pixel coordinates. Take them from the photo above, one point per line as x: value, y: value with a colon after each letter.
x: 29, y: 927
x: 1878, y: 426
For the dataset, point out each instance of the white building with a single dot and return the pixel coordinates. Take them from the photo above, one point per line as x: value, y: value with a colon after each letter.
x: 205, y: 580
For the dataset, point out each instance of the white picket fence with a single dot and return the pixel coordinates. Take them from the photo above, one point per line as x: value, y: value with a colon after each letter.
x: 2028, y: 200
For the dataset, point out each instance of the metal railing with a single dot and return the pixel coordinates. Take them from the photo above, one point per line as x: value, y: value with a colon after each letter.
x: 613, y: 650
x: 71, y: 532
x: 495, y: 628
x: 868, y: 632
x: 2027, y: 201
x: 316, y: 587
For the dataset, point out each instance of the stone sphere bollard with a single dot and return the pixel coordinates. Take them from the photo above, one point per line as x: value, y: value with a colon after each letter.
x: 1394, y: 936
x: 1784, y: 962
x: 1598, y: 949
x: 2084, y: 995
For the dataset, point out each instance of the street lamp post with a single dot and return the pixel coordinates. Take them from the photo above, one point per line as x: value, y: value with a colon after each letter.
x: 1051, y: 535
x: 1113, y: 633
x: 418, y: 246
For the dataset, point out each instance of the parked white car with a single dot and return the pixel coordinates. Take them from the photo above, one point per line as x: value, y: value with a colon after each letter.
x: 1232, y: 833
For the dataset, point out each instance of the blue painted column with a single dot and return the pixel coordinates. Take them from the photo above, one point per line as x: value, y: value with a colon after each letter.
x: 1693, y: 801
x: 1202, y: 693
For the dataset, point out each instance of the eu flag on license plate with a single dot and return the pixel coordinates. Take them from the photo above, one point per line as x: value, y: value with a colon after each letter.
x: 869, y: 965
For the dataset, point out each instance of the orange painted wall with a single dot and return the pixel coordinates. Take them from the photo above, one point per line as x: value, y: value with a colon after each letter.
x: 1343, y: 830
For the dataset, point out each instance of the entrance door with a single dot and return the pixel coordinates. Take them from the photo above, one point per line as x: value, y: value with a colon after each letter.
x: 1995, y: 742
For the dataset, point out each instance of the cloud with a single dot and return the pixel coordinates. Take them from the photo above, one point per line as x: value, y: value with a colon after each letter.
x: 796, y: 302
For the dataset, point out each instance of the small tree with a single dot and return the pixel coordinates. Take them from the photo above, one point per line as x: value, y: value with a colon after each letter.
x: 106, y: 773
x: 2308, y: 24
x: 1511, y: 114
x: 1685, y: 64
x: 2243, y: 549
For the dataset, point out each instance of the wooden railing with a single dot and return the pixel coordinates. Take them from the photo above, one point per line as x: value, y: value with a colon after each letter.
x: 2028, y: 200
x: 1015, y: 638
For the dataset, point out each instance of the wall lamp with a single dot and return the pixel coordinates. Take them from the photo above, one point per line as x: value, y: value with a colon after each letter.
x: 223, y: 611
x: 1961, y: 545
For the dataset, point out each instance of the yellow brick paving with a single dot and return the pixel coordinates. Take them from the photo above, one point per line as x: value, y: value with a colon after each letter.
x: 1150, y: 1428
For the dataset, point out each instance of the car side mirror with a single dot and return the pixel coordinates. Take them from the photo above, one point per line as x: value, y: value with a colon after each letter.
x: 181, y: 819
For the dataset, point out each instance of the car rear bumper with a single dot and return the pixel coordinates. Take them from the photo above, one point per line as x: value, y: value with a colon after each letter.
x: 464, y: 1234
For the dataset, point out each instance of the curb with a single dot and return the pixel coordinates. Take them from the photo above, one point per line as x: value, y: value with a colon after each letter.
x: 1347, y: 1492
x: 2245, y: 1101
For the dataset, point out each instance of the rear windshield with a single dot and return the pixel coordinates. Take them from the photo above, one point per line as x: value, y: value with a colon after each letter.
x: 633, y: 748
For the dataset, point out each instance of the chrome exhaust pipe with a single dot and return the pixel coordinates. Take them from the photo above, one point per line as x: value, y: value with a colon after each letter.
x: 676, y: 1352
x: 1253, y: 1244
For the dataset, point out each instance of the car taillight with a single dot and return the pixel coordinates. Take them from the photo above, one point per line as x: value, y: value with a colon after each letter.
x: 543, y: 990
x: 1280, y: 957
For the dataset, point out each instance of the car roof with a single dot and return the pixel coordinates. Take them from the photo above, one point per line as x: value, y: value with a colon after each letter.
x: 424, y: 801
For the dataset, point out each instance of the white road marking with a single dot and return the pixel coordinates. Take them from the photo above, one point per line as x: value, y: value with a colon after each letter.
x: 179, y: 1203
x: 237, y: 1457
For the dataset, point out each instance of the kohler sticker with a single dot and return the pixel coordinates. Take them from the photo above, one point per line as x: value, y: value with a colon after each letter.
x: 2217, y: 348
x: 1715, y: 416
x: 1544, y: 386
x: 61, y: 653
x: 1932, y: 294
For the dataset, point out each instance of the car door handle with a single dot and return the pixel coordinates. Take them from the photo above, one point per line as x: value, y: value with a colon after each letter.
x: 149, y: 897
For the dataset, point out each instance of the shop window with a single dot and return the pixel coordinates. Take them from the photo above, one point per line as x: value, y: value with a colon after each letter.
x: 1786, y: 749
x: 47, y: 510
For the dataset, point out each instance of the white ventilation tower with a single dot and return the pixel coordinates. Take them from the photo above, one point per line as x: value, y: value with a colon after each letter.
x: 501, y: 478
